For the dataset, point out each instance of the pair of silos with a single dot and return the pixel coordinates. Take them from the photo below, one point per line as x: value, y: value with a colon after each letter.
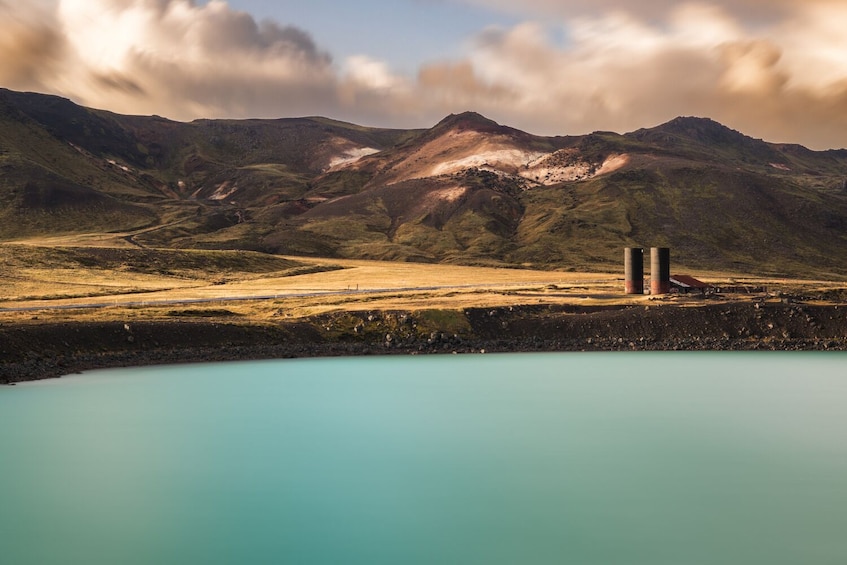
x: 660, y: 270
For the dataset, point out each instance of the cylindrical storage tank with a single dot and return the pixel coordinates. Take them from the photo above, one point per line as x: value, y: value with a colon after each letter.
x: 660, y: 270
x: 633, y: 266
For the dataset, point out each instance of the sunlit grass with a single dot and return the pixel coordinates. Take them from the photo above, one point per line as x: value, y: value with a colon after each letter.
x: 296, y: 287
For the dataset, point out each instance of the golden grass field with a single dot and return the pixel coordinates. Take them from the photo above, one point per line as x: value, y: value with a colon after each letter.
x: 44, y: 274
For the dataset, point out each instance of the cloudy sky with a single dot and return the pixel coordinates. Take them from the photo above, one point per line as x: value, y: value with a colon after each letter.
x: 775, y: 69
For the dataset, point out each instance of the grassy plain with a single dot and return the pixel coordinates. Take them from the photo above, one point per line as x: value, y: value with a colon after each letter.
x: 71, y: 308
x: 63, y: 279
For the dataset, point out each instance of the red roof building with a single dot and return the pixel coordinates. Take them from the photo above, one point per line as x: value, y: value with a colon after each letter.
x: 686, y: 283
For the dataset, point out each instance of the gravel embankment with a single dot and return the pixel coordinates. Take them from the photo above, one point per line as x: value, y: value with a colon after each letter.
x: 36, y: 350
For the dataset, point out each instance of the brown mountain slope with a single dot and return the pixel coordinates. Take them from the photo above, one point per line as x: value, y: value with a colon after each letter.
x: 467, y: 190
x: 720, y: 199
x: 469, y: 141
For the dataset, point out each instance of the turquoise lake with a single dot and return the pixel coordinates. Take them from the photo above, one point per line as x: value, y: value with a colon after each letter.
x: 575, y: 458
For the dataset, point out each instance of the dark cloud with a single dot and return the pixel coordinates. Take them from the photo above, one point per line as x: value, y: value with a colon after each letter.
x: 290, y: 40
x: 186, y: 60
x: 117, y: 82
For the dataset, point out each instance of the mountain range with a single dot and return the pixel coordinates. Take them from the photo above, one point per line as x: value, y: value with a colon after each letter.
x: 467, y: 190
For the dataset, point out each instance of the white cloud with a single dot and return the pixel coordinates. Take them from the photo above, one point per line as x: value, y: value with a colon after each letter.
x: 648, y: 10
x: 171, y: 57
x: 372, y: 74
x: 782, y: 78
x: 774, y: 69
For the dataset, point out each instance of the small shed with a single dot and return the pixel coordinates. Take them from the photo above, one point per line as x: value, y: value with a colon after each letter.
x: 687, y: 283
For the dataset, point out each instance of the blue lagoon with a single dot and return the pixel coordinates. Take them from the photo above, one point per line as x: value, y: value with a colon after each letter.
x: 585, y: 458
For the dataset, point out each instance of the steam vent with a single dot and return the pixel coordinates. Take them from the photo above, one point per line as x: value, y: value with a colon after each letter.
x: 660, y: 270
x: 633, y: 261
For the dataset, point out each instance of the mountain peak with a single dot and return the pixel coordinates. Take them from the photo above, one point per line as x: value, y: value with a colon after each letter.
x: 691, y: 134
x: 699, y: 127
x: 468, y: 120
x: 702, y: 130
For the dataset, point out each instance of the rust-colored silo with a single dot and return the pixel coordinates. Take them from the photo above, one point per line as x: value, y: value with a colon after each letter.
x: 660, y: 270
x: 633, y: 265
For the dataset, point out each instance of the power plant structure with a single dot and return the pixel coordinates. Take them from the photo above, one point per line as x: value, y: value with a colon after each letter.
x: 660, y: 270
x: 633, y: 266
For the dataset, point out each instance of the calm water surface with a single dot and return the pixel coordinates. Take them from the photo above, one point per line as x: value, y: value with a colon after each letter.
x: 606, y: 458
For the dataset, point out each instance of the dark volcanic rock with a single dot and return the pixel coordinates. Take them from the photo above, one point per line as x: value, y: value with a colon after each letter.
x: 34, y: 350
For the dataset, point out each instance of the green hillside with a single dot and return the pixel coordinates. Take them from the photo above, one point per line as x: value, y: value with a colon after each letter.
x: 466, y: 191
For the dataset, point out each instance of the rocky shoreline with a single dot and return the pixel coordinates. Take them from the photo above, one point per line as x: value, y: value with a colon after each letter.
x: 33, y: 350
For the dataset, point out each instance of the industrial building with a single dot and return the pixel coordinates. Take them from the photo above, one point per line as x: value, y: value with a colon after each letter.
x: 660, y: 270
x: 687, y: 283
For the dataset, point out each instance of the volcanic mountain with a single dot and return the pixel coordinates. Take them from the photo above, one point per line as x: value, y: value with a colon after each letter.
x: 467, y: 190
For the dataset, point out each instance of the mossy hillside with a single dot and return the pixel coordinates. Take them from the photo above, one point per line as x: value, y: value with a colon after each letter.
x: 142, y: 260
